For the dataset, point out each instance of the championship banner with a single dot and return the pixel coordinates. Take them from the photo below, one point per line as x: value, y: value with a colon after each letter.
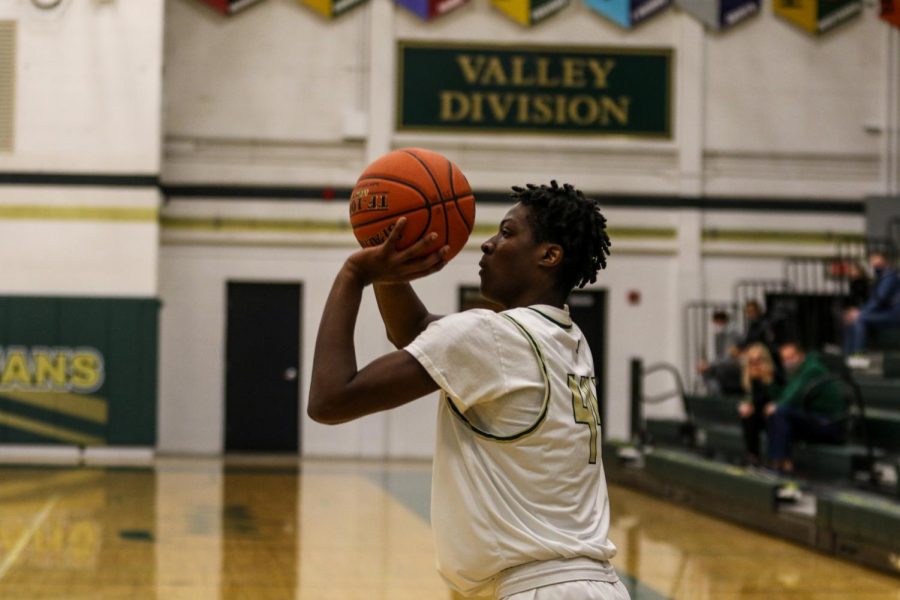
x: 890, y: 12
x: 430, y: 9
x: 332, y: 8
x: 540, y: 89
x: 719, y: 14
x: 817, y: 16
x: 628, y: 13
x: 229, y: 7
x: 529, y: 12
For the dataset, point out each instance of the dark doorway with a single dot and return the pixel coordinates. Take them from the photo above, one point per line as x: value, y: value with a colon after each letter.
x: 588, y: 310
x: 262, y: 387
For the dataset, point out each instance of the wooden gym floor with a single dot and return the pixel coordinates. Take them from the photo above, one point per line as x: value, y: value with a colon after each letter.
x: 317, y: 530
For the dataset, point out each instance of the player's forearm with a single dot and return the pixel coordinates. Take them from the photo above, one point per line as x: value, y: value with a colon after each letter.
x: 334, y: 361
x: 403, y: 313
x: 338, y: 391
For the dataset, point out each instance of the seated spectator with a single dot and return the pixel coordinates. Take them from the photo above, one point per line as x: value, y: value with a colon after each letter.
x: 722, y: 375
x: 857, y: 285
x: 762, y: 384
x: 881, y: 310
x: 805, y: 410
x: 760, y: 330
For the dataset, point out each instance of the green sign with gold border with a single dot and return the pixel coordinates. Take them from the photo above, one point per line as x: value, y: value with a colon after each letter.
x: 537, y: 89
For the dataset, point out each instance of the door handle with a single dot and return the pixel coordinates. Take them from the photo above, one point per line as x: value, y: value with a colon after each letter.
x: 290, y: 374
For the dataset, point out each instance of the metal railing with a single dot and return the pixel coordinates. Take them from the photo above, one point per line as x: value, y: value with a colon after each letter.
x: 699, y: 335
x: 638, y: 374
x: 757, y: 289
x: 816, y: 275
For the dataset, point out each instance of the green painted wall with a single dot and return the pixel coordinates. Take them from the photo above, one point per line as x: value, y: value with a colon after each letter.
x: 78, y: 370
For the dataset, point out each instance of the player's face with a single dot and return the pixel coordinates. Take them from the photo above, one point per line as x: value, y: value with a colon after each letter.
x: 510, y: 259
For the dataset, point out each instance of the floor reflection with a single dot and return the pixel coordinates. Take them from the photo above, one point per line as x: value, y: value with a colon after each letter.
x: 58, y: 528
x: 260, y: 548
x: 680, y: 554
x: 203, y: 529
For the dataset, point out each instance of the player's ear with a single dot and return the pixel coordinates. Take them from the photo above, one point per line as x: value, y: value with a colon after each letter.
x: 552, y: 255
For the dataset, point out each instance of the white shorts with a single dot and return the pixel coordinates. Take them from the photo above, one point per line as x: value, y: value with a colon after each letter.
x: 575, y: 590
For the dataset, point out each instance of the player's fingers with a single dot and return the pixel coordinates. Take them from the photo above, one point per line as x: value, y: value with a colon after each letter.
x: 440, y: 264
x: 424, y: 264
x: 419, y: 247
x: 396, y: 232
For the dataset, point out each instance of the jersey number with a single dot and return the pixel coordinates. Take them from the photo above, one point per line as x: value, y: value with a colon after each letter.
x: 584, y: 405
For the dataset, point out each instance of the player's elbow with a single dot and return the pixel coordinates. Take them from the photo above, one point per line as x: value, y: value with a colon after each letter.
x: 322, y: 408
x: 322, y: 415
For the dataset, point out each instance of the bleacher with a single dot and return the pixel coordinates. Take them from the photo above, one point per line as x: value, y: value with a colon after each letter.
x: 849, y: 499
x: 843, y: 499
x: 713, y: 430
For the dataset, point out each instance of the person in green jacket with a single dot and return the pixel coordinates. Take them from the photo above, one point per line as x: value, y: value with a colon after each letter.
x: 803, y: 410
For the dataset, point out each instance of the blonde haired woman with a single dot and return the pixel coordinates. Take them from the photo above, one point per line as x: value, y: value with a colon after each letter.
x: 762, y: 384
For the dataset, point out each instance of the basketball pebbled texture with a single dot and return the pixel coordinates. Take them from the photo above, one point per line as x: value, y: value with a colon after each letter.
x: 421, y: 185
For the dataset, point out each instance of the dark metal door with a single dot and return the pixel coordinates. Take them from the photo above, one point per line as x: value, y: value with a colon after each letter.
x: 588, y: 311
x: 262, y: 386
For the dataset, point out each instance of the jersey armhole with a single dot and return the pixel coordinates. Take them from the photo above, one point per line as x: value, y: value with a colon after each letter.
x: 542, y: 364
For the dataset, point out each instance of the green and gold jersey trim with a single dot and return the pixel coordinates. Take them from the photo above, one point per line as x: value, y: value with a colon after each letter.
x: 551, y: 319
x: 544, y: 407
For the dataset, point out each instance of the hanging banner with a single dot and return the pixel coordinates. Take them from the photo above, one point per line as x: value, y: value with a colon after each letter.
x: 817, y: 16
x: 538, y: 89
x: 529, y: 12
x: 229, y: 7
x: 332, y: 8
x: 890, y: 12
x: 430, y: 9
x: 628, y: 13
x: 719, y: 14
x: 78, y: 371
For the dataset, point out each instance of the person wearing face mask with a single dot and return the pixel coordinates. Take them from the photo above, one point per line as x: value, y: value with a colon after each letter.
x: 808, y: 408
x: 882, y: 308
x: 759, y: 328
x: 722, y: 375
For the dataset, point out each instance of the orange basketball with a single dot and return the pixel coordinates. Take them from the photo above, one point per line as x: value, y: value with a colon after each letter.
x: 421, y: 185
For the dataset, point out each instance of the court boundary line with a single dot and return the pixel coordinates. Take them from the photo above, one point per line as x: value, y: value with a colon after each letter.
x: 23, y: 541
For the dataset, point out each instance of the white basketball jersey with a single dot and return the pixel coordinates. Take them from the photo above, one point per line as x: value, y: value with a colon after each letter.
x: 517, y: 472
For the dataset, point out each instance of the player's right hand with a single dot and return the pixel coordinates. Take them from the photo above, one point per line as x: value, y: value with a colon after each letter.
x: 386, y: 264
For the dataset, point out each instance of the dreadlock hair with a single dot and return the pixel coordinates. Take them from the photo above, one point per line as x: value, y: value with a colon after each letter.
x: 563, y: 215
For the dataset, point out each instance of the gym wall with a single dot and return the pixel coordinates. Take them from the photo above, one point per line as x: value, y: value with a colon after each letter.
x: 277, y: 96
x: 260, y: 121
x: 79, y: 209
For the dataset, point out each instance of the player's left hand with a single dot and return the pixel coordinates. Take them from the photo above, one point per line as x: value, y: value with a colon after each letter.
x: 386, y: 264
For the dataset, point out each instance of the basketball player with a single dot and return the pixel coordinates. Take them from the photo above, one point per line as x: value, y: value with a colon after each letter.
x: 519, y: 502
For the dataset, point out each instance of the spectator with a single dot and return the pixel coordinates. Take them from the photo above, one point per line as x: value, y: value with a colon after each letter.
x: 881, y: 310
x: 722, y: 375
x: 857, y: 285
x: 807, y: 409
x: 763, y: 385
x: 759, y: 329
